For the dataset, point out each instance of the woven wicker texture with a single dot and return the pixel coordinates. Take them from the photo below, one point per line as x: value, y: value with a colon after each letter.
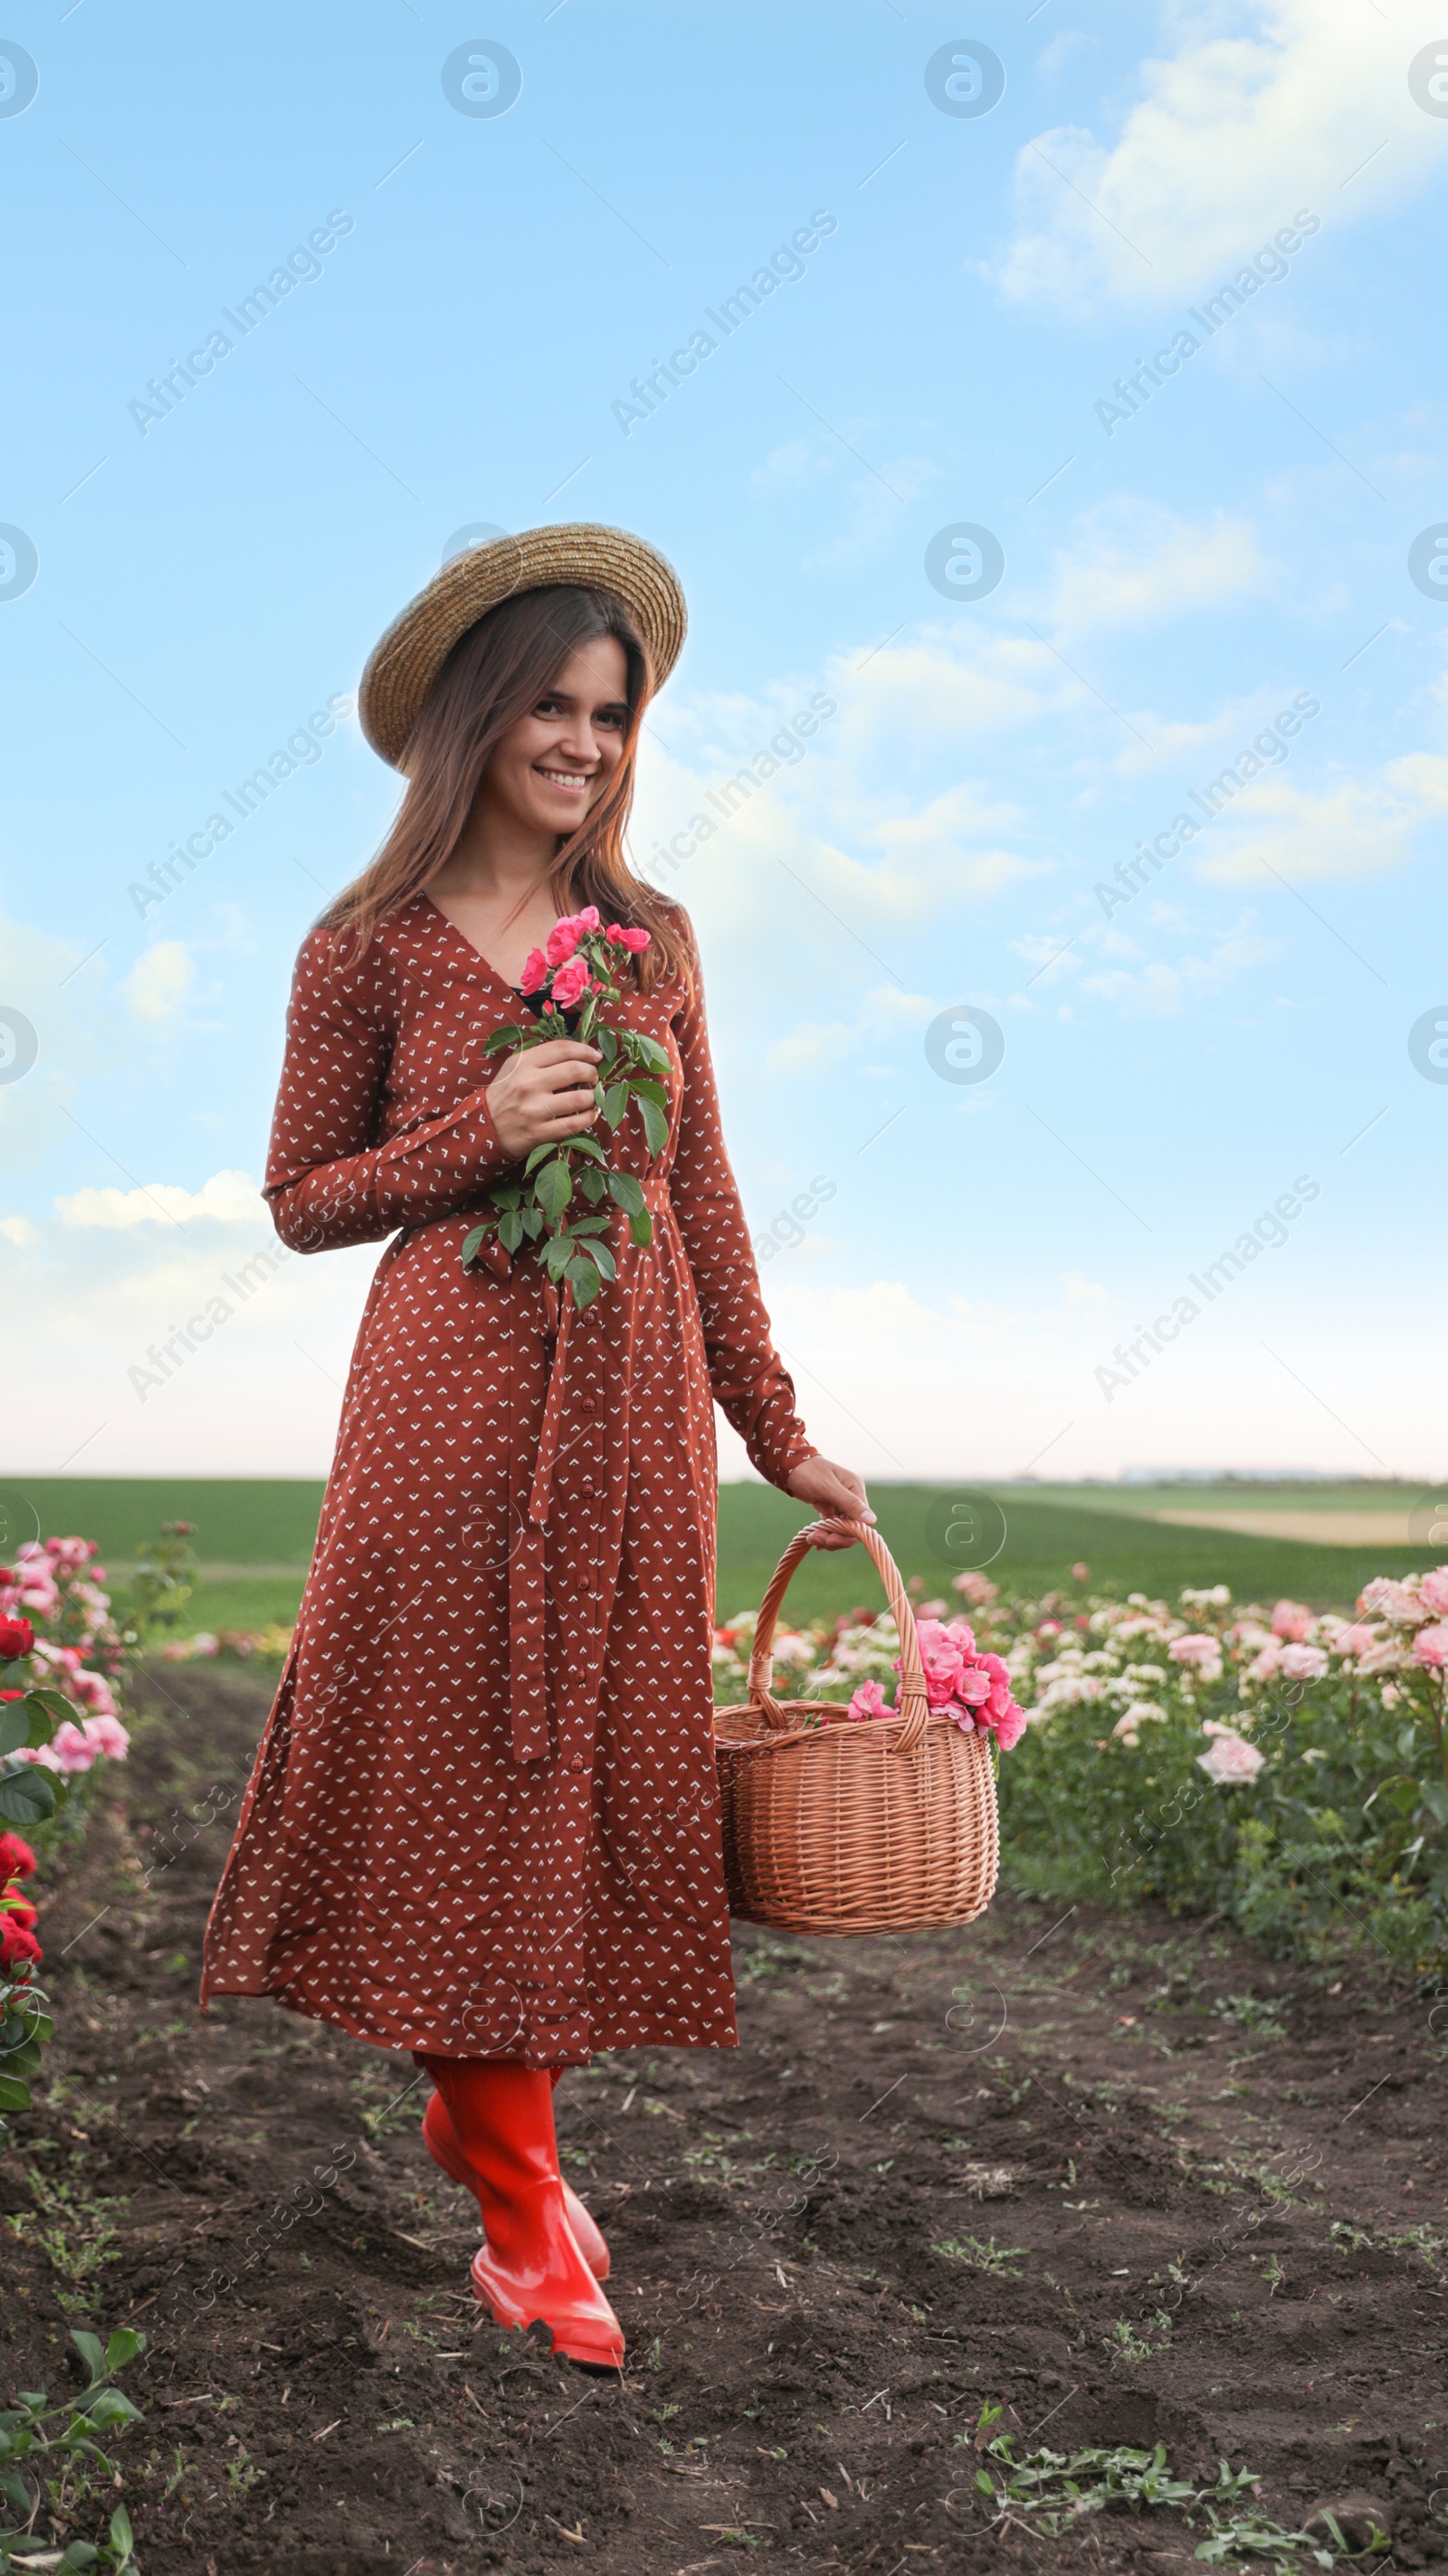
x: 404, y: 665
x: 834, y: 1824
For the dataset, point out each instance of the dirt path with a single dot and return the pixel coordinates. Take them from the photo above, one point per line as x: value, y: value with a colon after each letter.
x: 1194, y: 2179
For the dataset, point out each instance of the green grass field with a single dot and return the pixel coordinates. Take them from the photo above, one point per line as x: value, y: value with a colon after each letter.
x: 253, y: 1537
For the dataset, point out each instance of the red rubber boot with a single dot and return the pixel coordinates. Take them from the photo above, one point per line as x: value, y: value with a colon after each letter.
x: 440, y: 2139
x: 530, y: 2269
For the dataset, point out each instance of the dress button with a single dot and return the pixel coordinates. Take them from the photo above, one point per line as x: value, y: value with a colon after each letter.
x: 578, y: 1763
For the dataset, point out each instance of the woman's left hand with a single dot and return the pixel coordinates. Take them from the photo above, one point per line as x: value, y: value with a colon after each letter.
x: 837, y: 1493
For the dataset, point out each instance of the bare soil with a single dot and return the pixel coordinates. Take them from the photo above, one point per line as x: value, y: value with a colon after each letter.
x: 1185, y: 2194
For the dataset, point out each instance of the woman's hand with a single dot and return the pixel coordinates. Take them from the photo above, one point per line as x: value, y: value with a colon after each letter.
x: 543, y: 1095
x: 837, y: 1493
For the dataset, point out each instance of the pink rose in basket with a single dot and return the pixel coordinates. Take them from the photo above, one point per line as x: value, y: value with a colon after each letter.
x: 1010, y: 1726
x: 869, y: 1701
x: 941, y: 1655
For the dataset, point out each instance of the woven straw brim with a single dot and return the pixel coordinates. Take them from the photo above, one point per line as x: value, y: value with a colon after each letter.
x: 405, y: 664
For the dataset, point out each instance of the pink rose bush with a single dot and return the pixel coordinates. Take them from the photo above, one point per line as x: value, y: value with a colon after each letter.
x: 60, y: 1653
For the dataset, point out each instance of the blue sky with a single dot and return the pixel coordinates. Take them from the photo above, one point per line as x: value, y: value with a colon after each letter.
x: 1235, y: 540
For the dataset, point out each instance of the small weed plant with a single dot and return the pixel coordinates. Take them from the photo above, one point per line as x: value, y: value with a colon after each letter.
x: 52, y: 2464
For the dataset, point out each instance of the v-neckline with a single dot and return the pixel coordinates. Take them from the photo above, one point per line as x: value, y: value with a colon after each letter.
x: 514, y: 991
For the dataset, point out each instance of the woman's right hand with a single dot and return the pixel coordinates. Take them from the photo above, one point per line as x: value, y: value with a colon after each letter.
x: 544, y: 1095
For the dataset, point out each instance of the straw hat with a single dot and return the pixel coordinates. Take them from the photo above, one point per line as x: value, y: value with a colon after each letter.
x: 413, y: 650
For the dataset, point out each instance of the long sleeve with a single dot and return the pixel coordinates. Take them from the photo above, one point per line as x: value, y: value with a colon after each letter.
x: 749, y: 1380
x: 328, y: 1182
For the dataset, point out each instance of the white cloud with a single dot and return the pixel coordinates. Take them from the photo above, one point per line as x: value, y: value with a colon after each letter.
x: 1232, y: 133
x: 1135, y: 563
x: 19, y: 1231
x: 160, y: 980
x: 812, y: 1047
x: 1162, y: 985
x: 1358, y: 828
x: 934, y: 844
x: 228, y: 1198
x: 1084, y: 1292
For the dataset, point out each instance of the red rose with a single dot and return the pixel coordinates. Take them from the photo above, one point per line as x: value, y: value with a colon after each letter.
x: 17, y: 1860
x: 18, y: 1945
x: 16, y: 1638
x: 19, y: 1908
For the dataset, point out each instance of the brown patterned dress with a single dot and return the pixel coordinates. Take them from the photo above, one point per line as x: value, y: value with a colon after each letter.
x: 483, y: 1817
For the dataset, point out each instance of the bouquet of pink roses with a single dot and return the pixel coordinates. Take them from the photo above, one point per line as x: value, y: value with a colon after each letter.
x: 960, y: 1681
x: 565, y: 983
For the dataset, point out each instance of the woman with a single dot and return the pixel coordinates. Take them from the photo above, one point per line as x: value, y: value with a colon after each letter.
x: 483, y: 1821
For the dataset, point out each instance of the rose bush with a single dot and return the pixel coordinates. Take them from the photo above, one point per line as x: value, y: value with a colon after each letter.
x: 60, y: 1656
x: 1282, y: 1767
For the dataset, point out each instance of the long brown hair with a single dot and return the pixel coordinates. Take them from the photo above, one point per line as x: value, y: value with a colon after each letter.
x: 494, y: 674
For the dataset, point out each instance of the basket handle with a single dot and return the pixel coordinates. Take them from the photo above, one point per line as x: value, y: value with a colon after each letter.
x: 913, y: 1706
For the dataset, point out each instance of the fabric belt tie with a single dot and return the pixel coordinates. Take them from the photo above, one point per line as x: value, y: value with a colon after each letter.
x: 530, y: 1501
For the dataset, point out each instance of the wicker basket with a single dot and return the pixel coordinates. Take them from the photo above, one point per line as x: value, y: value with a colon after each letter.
x: 834, y: 1825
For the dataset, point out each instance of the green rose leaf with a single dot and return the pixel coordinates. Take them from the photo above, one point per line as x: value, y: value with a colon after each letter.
x: 606, y: 1043
x: 53, y: 1702
x: 583, y: 1281
x: 557, y: 1253
x: 586, y: 1145
x: 532, y: 1223
x: 600, y: 1253
x: 648, y: 1051
x: 25, y: 1796
x: 14, y: 1725
x: 14, y: 2096
x: 473, y: 1243
x: 593, y: 1185
x: 615, y: 1102
x: 510, y: 1230
x: 641, y: 1227
x: 501, y: 1038
x: 656, y: 1124
x: 553, y: 1188
x: 626, y: 1192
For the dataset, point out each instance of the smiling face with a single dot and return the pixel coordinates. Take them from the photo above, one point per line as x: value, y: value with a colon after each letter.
x: 550, y: 768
